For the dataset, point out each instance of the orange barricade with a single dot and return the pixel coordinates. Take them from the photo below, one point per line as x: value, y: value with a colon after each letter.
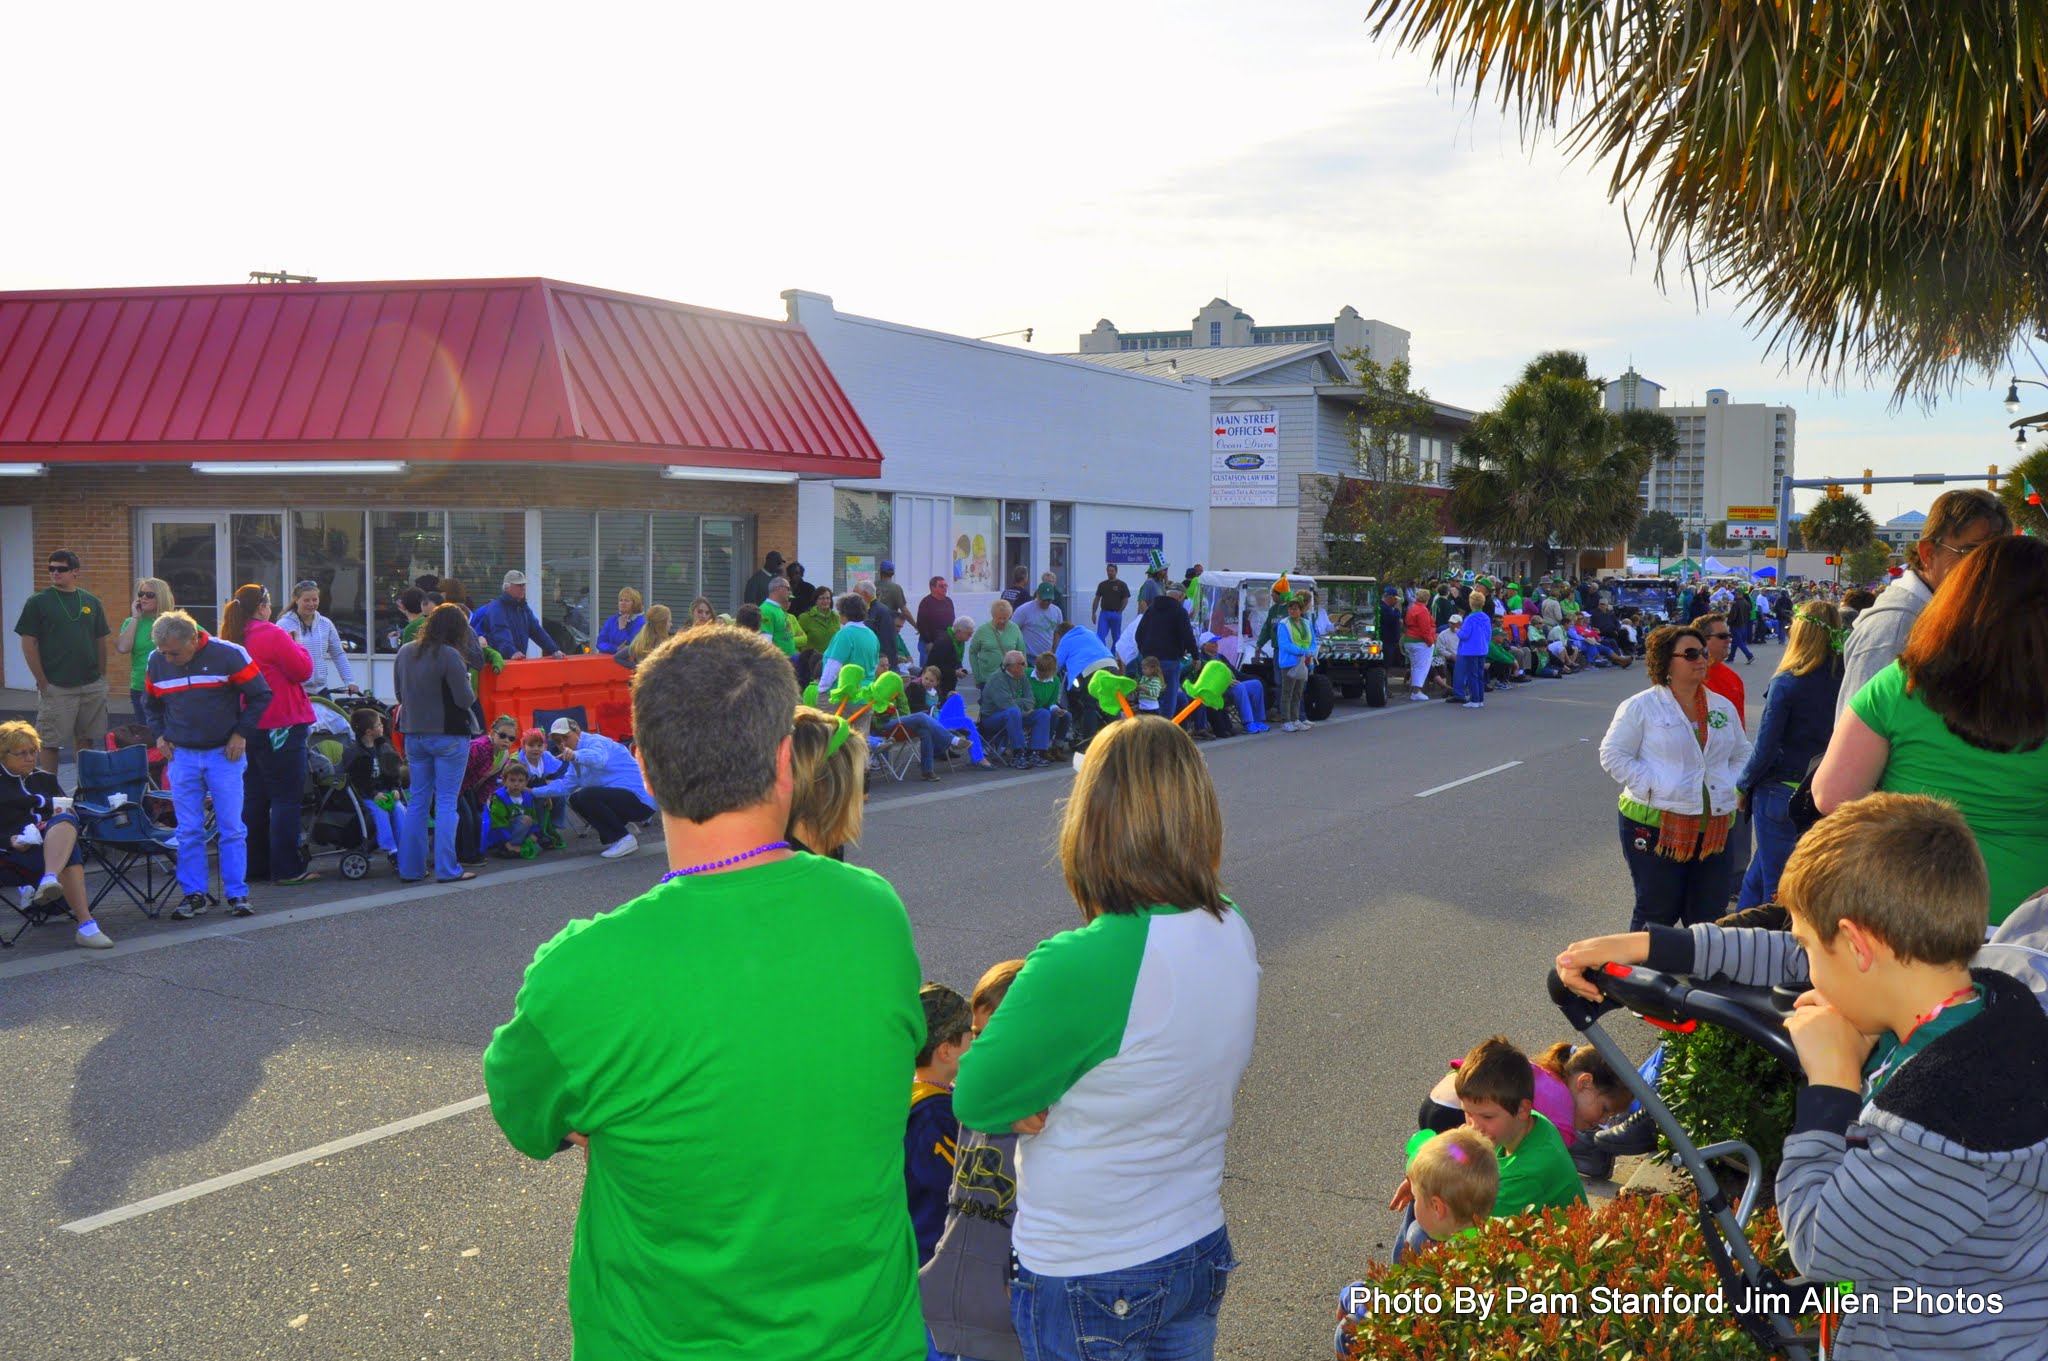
x: 593, y: 682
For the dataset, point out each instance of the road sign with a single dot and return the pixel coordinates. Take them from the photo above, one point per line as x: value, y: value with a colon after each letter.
x: 1752, y: 531
x: 1774, y: 552
x: 1755, y: 515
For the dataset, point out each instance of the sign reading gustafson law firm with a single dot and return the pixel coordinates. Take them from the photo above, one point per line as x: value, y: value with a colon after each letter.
x: 1244, y: 459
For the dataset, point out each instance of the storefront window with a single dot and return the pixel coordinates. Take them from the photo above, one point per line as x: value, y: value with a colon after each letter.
x: 403, y: 544
x: 1017, y: 541
x: 328, y: 548
x: 675, y: 563
x: 483, y: 545
x: 563, y: 600
x: 974, y: 540
x: 726, y: 557
x: 862, y: 535
x: 256, y: 553
x: 621, y: 557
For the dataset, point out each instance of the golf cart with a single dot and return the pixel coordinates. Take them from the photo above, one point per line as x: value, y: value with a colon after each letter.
x: 1645, y: 594
x: 1352, y: 659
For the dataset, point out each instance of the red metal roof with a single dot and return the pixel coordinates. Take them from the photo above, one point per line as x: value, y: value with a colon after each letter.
x: 485, y: 369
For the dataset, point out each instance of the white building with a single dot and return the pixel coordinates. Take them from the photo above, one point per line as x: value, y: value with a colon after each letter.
x: 1729, y: 453
x: 1221, y: 325
x: 1270, y: 478
x: 995, y: 458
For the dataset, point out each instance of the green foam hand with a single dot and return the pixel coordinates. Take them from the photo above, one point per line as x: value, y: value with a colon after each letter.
x: 1211, y: 684
x: 887, y: 689
x: 846, y: 690
x: 811, y: 695
x: 1112, y: 691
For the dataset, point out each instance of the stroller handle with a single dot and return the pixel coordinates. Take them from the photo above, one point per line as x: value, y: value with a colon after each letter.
x: 1675, y: 1001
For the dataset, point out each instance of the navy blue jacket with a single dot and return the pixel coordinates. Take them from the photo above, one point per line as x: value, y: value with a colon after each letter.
x: 209, y: 699
x: 508, y: 624
x: 1799, y: 717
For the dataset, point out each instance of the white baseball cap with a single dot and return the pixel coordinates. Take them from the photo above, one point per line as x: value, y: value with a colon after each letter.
x: 515, y: 577
x: 561, y: 726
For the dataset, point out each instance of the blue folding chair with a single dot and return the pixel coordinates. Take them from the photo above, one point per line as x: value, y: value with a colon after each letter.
x: 116, y: 806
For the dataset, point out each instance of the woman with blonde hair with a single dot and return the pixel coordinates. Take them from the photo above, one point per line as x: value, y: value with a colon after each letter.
x: 653, y: 632
x: 1117, y: 1054
x: 617, y: 633
x: 152, y: 598
x: 828, y: 761
x: 39, y: 834
x: 1799, y: 717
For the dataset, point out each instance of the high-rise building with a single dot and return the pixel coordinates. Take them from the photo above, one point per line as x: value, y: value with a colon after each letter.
x: 1729, y: 453
x: 1220, y: 325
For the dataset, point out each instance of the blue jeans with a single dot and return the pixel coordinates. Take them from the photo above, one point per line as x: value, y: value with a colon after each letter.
x: 1011, y: 722
x: 1738, y: 641
x: 1109, y: 627
x: 1170, y: 698
x: 438, y: 765
x: 931, y: 738
x: 1468, y: 680
x: 272, y: 793
x: 1672, y: 892
x: 1769, y: 807
x: 1161, y: 1310
x: 195, y: 775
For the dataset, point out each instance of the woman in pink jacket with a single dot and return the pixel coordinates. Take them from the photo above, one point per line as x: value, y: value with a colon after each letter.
x: 275, y: 784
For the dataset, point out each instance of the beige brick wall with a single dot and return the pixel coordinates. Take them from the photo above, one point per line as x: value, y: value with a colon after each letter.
x: 92, y: 511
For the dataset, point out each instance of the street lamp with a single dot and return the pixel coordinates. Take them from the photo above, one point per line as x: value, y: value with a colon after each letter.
x: 2012, y: 405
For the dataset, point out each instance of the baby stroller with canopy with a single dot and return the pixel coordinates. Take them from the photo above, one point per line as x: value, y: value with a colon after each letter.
x: 333, y: 822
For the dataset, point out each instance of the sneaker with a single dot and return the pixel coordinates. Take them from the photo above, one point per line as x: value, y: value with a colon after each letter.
x: 98, y: 940
x: 47, y: 892
x: 1019, y: 762
x: 239, y: 907
x: 1037, y: 759
x: 1417, y: 697
x: 195, y: 905
x: 1592, y: 1161
x: 1632, y: 1135
x: 621, y: 848
x: 931, y: 775
x: 1474, y: 704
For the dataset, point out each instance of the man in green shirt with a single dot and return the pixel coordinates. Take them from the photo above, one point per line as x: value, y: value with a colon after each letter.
x: 775, y: 625
x: 64, y: 637
x: 744, y: 1194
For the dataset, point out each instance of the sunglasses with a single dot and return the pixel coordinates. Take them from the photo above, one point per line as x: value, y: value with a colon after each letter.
x: 1720, y: 635
x: 305, y: 586
x: 54, y: 567
x: 145, y: 595
x: 1690, y: 654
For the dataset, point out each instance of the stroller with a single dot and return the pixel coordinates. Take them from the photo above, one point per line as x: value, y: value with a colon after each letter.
x: 333, y: 821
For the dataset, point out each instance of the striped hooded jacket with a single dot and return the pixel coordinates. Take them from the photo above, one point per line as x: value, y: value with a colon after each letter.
x: 1939, y: 1184
x: 209, y: 699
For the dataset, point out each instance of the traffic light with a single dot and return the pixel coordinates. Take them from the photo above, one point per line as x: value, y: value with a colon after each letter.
x: 1993, y: 482
x: 1833, y: 560
x: 1866, y: 481
x: 1834, y: 490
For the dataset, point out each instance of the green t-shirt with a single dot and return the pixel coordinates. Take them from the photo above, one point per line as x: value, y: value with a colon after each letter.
x: 67, y: 627
x: 855, y: 645
x: 2002, y: 795
x: 1535, y: 1175
x: 412, y: 629
x: 775, y: 624
x: 140, y: 646
x: 744, y: 1195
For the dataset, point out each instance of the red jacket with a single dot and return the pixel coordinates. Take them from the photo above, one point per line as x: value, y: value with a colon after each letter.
x: 1724, y: 681
x: 1419, y: 624
x: 287, y: 667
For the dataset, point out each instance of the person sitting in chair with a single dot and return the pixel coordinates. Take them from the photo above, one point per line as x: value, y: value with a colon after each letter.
x: 42, y: 842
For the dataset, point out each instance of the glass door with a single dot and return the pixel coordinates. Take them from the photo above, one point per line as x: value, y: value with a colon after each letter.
x: 190, y: 552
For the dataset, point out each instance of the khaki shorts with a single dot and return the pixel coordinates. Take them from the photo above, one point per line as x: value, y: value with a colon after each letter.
x: 73, y: 716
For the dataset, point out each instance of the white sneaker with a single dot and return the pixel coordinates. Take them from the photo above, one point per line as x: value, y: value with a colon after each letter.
x: 1417, y: 697
x: 1471, y: 705
x: 621, y: 848
x: 98, y: 940
x: 47, y: 892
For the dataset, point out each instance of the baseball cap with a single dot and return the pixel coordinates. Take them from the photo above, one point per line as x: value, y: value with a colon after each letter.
x: 1048, y: 591
x: 515, y: 577
x: 773, y: 560
x: 887, y: 566
x: 561, y: 726
x: 1205, y: 640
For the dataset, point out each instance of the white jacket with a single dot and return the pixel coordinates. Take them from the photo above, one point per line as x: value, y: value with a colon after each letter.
x: 1653, y: 748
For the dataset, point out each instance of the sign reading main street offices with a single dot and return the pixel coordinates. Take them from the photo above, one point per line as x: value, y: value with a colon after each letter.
x: 1244, y: 459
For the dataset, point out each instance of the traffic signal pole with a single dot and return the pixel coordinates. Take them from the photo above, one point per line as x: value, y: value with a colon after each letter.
x: 1790, y: 485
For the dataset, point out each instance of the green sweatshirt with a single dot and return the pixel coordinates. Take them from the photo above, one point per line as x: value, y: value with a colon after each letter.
x: 744, y: 1195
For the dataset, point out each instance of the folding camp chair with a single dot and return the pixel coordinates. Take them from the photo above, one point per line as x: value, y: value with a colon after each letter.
x: 116, y: 809
x: 894, y: 752
x: 12, y: 883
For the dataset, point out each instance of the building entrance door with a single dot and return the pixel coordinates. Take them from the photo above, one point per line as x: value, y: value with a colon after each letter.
x: 189, y: 551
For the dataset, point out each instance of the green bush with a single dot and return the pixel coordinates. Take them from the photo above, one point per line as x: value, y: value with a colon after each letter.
x: 1720, y: 1086
x: 1631, y: 1244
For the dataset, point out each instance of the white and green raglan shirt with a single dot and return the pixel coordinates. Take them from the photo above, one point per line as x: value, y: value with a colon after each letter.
x: 1132, y: 1032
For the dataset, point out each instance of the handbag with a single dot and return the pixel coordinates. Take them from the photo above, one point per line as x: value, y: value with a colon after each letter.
x: 1299, y: 671
x: 1803, y: 812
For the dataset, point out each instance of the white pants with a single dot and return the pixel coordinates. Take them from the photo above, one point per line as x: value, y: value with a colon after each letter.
x: 1419, y: 656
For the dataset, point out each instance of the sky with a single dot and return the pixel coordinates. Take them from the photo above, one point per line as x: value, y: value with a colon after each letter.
x: 970, y: 169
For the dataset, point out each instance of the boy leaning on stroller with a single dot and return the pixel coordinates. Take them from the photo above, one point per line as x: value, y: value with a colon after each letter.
x: 1917, y: 1166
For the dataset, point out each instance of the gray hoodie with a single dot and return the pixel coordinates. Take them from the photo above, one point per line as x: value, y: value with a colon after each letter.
x: 1879, y: 635
x: 1939, y: 1184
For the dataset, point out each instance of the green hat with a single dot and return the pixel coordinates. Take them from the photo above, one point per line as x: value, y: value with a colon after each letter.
x: 1048, y: 591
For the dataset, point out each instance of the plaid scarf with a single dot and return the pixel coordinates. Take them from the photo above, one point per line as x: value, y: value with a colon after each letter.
x: 1685, y: 836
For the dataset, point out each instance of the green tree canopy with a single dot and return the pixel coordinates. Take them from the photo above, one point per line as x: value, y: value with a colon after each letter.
x: 2033, y: 469
x: 1551, y: 466
x: 1657, y: 534
x: 1380, y: 523
x: 1836, y: 525
x: 1871, y: 176
x: 1867, y: 561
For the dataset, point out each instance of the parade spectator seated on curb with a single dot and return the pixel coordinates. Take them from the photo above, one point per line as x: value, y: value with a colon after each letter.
x: 1920, y: 1162
x: 637, y: 1034
x: 39, y: 840
x: 993, y: 642
x: 1037, y: 619
x: 914, y: 715
x: 850, y: 646
x: 64, y: 633
x: 1454, y: 1177
x: 1009, y: 710
x: 508, y: 623
x: 603, y: 785
x: 1246, y: 697
x: 1045, y: 688
x: 204, y: 703
x: 617, y: 631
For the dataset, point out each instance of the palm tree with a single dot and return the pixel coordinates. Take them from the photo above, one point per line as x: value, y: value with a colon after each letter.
x: 1837, y: 525
x: 1870, y: 176
x: 1551, y: 467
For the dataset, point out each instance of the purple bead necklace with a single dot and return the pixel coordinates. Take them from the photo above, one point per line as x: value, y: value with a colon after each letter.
x: 729, y: 860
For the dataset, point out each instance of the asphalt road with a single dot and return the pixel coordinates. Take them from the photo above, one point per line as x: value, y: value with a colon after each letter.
x: 1395, y: 931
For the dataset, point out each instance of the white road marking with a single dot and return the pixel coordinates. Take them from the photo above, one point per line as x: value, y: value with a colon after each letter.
x: 1468, y: 779
x: 139, y: 1208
